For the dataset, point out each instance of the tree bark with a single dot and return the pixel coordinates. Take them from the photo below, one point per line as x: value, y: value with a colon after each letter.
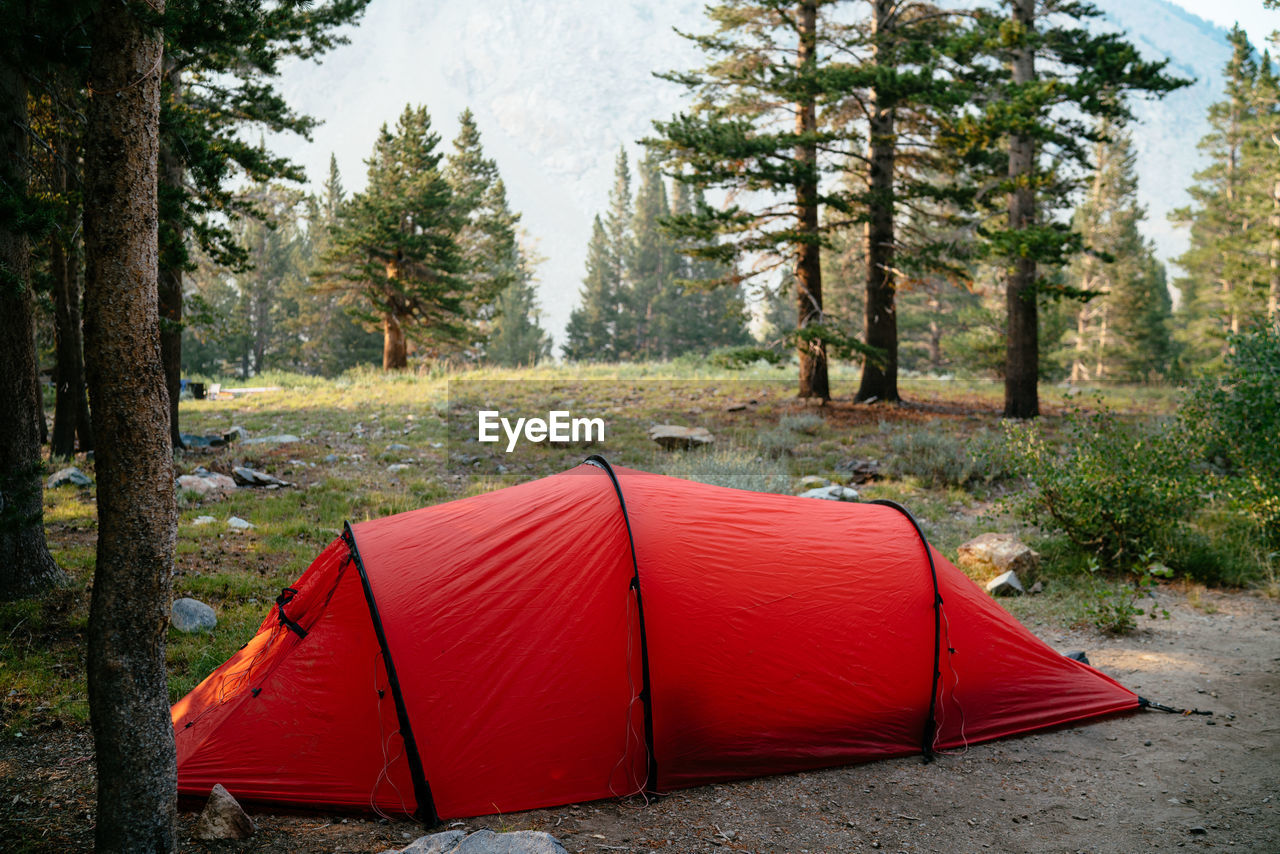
x: 813, y: 354
x: 880, y: 326
x: 71, y: 406
x: 395, y: 351
x: 1022, y: 347
x: 172, y: 257
x: 137, y: 523
x: 25, y: 563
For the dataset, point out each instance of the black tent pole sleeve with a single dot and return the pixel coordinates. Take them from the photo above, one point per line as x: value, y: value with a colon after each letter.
x: 930, y: 724
x: 646, y: 694
x: 421, y: 788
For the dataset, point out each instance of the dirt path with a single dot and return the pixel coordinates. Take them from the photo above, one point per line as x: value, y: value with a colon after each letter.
x: 1146, y: 781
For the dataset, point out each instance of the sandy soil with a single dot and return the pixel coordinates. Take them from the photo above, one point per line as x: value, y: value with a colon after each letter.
x: 1144, y: 781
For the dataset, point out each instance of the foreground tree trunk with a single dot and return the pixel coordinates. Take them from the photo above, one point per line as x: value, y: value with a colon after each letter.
x: 1022, y: 346
x: 137, y: 525
x: 71, y: 406
x: 25, y: 563
x: 813, y: 354
x: 880, y: 327
x: 171, y: 262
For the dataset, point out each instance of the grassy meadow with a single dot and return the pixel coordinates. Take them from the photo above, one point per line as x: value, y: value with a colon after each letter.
x: 372, y: 444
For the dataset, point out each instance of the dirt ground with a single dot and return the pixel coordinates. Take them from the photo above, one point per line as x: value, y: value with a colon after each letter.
x: 1143, y: 781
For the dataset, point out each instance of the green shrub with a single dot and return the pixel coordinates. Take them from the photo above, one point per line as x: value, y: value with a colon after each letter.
x: 802, y: 422
x: 1112, y: 608
x: 737, y: 358
x: 739, y: 468
x: 1235, y: 420
x: 938, y: 458
x: 1117, y: 490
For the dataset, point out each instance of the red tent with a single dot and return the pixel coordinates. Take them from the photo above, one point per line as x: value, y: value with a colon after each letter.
x: 590, y: 635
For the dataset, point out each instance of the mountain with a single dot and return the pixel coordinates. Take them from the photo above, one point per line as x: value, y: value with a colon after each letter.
x: 557, y: 87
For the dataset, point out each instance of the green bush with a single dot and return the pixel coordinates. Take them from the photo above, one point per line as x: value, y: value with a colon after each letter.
x: 938, y: 458
x: 1235, y: 420
x: 1118, y: 490
x: 737, y: 358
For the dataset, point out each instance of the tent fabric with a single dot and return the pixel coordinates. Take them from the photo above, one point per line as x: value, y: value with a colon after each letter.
x: 775, y: 634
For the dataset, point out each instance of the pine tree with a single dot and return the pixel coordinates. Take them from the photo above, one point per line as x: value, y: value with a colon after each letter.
x: 1123, y: 333
x: 1232, y: 266
x: 650, y: 271
x: 755, y: 130
x: 597, y: 330
x: 518, y: 337
x: 491, y: 257
x: 133, y: 458
x: 396, y: 244
x: 697, y: 315
x: 1040, y: 81
x: 590, y: 335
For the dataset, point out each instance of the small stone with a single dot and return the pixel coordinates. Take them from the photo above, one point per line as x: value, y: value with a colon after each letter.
x: 246, y: 476
x: 1038, y: 587
x: 223, y: 818
x: 811, y: 481
x: 735, y: 407
x: 1197, y: 831
x: 70, y: 475
x: 278, y: 439
x: 191, y: 615
x: 195, y: 483
x: 675, y: 436
x: 485, y: 842
x: 832, y: 493
x: 1077, y: 655
x: 397, y: 448
x: 331, y: 458
x: 1005, y: 584
x: 203, y: 520
x: 1146, y: 743
x: 235, y: 434
x: 238, y: 524
x: 398, y: 467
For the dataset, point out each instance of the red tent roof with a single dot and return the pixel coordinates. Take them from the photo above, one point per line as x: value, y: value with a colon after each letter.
x: 506, y: 652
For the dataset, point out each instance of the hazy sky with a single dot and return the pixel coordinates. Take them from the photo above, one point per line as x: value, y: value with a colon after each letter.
x: 1250, y: 14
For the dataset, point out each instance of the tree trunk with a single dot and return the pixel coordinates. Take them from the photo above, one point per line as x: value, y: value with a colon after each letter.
x: 880, y: 328
x: 813, y: 354
x: 172, y: 257
x: 395, y: 351
x: 71, y: 407
x: 1022, y: 348
x: 137, y: 523
x: 1079, y: 372
x: 25, y: 563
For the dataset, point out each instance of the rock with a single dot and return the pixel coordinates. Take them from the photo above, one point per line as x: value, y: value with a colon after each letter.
x: 993, y: 554
x: 192, y: 615
x: 485, y: 842
x: 235, y: 434
x: 211, y: 484
x: 735, y: 407
x: 203, y: 520
x: 398, y: 467
x: 331, y: 458
x: 223, y: 818
x: 1005, y: 584
x: 246, y: 476
x: 811, y: 481
x: 1038, y: 587
x: 1077, y: 655
x: 675, y: 436
x: 862, y: 471
x: 70, y: 475
x: 278, y: 439
x: 397, y: 448
x: 238, y: 524
x: 1197, y: 831
x: 191, y: 440
x: 832, y: 493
